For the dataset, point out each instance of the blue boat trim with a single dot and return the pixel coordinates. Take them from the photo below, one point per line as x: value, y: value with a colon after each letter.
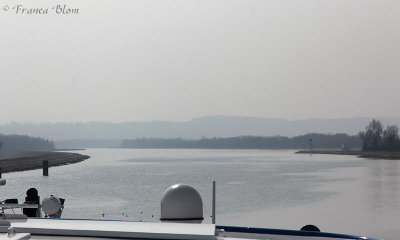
x: 289, y: 232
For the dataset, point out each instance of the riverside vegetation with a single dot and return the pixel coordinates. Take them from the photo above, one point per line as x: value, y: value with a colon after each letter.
x: 376, y: 143
x: 376, y: 139
x: 321, y: 141
x: 20, y: 153
x: 12, y: 144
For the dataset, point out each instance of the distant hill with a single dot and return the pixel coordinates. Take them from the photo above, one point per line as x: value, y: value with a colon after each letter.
x: 208, y: 127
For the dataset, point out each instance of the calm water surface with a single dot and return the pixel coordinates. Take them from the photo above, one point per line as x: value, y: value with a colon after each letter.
x: 261, y: 188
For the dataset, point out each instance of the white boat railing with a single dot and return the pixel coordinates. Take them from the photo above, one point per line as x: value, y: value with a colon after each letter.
x: 16, y: 205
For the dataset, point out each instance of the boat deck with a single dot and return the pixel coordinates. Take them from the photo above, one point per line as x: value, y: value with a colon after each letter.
x: 41, y: 228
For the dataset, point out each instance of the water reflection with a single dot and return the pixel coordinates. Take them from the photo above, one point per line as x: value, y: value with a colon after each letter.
x: 267, y: 188
x: 382, y: 183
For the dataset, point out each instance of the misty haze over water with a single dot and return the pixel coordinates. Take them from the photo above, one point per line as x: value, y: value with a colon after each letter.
x: 216, y: 126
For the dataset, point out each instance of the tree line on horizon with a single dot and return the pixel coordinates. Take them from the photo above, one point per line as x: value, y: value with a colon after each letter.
x: 376, y: 138
x: 11, y: 144
x: 320, y: 141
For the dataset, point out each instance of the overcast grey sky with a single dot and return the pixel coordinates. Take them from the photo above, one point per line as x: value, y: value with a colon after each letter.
x: 174, y: 60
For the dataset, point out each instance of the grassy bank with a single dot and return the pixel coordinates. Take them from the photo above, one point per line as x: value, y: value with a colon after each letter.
x: 363, y: 154
x: 34, y: 160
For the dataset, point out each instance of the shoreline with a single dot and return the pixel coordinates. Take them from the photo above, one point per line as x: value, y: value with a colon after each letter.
x: 34, y: 160
x: 68, y: 149
x: 362, y: 154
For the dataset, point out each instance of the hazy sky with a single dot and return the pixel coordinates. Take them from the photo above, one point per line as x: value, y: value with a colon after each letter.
x: 175, y: 60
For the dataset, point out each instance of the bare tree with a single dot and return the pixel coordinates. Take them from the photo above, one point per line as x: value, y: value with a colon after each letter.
x: 391, y: 138
x: 372, y: 137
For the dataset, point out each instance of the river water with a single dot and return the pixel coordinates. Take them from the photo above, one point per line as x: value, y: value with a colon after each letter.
x: 260, y: 188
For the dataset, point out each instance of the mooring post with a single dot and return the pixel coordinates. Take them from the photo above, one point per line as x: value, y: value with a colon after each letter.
x: 46, y: 168
x: 213, y: 202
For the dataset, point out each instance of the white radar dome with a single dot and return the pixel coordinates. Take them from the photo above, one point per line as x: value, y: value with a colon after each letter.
x: 51, y: 205
x: 181, y: 203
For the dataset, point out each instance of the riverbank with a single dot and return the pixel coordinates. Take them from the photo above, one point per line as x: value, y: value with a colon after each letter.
x: 363, y: 154
x: 34, y: 160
